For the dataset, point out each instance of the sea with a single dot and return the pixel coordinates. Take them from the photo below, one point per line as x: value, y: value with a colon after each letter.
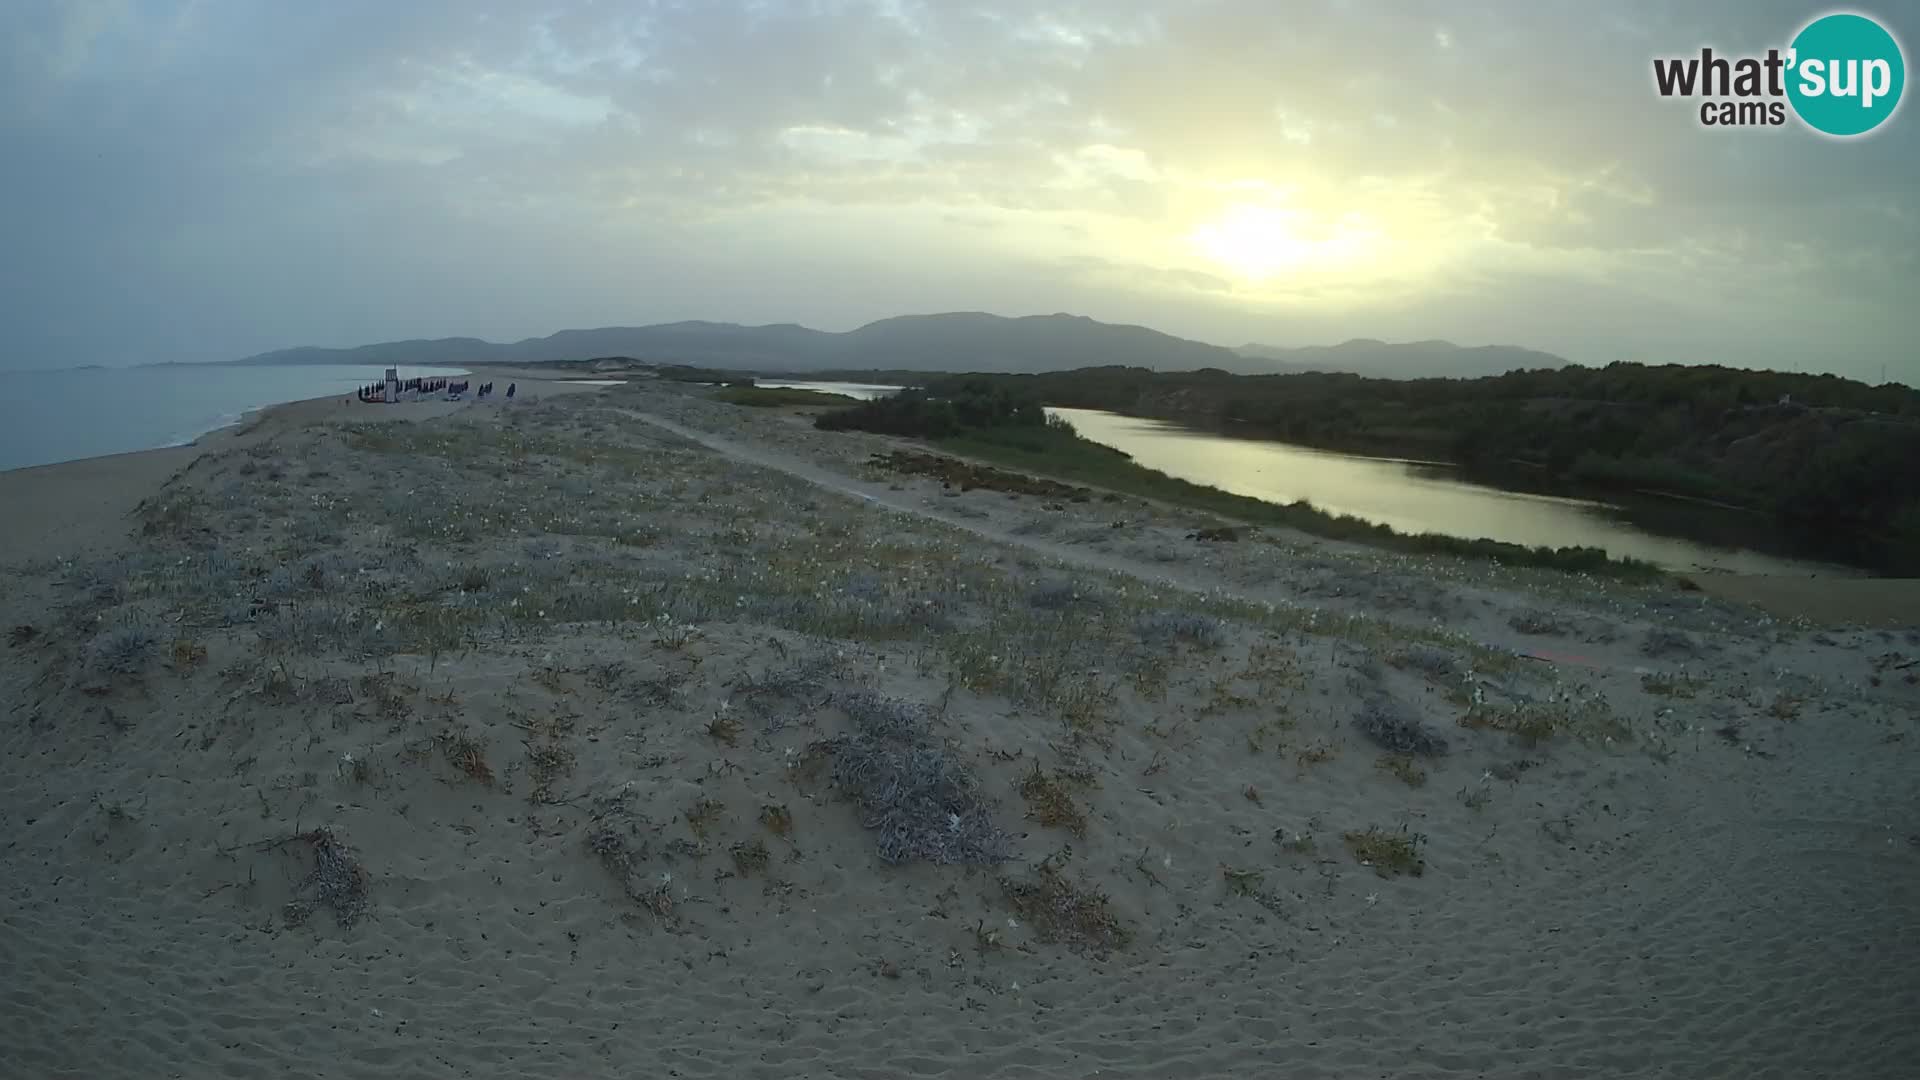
x: 65, y: 415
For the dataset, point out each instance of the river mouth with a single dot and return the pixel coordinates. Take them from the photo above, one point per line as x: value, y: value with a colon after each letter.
x: 1412, y: 496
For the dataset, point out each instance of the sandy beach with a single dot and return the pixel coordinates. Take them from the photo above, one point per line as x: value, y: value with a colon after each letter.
x: 618, y: 731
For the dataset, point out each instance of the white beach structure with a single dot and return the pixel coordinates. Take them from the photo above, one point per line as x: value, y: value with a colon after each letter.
x: 393, y: 385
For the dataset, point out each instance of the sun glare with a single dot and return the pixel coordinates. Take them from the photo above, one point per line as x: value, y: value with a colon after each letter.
x: 1255, y: 242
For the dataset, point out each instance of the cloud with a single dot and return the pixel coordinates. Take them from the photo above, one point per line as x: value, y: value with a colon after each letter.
x: 196, y: 180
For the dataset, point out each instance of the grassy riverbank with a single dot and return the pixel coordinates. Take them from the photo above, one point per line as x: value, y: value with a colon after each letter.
x: 989, y: 421
x: 1058, y: 452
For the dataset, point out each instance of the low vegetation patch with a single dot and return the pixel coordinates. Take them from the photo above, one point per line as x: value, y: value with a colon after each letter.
x: 1065, y: 912
x: 777, y: 397
x: 188, y: 655
x: 124, y: 651
x: 1440, y: 666
x: 1050, y: 801
x: 777, y: 819
x: 1300, y: 843
x: 546, y: 766
x: 1530, y: 723
x: 1665, y: 641
x: 919, y: 798
x: 1242, y: 882
x: 1318, y: 754
x: 750, y: 857
x: 1403, y: 767
x: 1167, y: 628
x: 337, y: 880
x: 703, y: 814
x: 1391, y: 729
x: 1389, y: 853
x: 622, y: 859
x: 724, y: 729
x: 468, y: 753
x: 1669, y: 685
x: 967, y: 476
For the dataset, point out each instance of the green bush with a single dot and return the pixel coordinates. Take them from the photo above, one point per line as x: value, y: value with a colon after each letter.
x: 919, y: 413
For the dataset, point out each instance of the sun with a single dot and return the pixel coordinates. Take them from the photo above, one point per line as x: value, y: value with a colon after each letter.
x: 1255, y: 242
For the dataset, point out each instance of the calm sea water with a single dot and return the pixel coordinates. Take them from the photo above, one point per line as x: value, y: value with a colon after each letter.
x: 66, y: 415
x: 1417, y: 497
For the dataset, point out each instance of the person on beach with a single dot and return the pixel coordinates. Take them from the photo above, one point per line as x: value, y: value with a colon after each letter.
x: 510, y: 387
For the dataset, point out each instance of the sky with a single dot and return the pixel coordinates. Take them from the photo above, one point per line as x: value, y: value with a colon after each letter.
x: 207, y: 179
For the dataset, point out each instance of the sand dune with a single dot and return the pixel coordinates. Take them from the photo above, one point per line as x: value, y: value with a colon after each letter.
x: 576, y: 738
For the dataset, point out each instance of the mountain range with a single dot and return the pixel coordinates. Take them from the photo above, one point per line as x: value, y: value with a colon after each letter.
x: 952, y: 342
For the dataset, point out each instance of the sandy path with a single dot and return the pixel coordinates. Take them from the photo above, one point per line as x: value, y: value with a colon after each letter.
x: 882, y: 496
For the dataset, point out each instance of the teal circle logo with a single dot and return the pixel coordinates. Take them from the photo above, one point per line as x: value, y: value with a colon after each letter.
x: 1845, y: 74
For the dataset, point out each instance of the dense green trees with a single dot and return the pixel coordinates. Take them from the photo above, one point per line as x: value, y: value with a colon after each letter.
x: 959, y: 405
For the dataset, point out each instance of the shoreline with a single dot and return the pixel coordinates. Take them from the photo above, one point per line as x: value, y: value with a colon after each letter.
x: 80, y: 506
x: 228, y: 419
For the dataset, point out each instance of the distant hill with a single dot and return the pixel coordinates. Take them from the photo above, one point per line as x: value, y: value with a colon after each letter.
x: 974, y: 341
x: 957, y: 341
x: 1412, y: 360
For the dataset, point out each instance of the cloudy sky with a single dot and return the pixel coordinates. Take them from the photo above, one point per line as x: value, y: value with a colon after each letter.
x: 191, y: 180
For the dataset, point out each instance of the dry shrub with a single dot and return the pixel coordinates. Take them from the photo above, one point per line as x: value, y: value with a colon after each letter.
x: 188, y: 655
x: 920, y: 798
x: 547, y: 765
x: 724, y: 729
x: 703, y: 814
x: 778, y: 819
x: 468, y: 754
x: 622, y: 860
x: 750, y: 857
x: 1050, y: 803
x: 1383, y: 722
x: 1065, y: 912
x: 121, y: 652
x: 1403, y: 767
x: 1389, y: 853
x: 337, y: 880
